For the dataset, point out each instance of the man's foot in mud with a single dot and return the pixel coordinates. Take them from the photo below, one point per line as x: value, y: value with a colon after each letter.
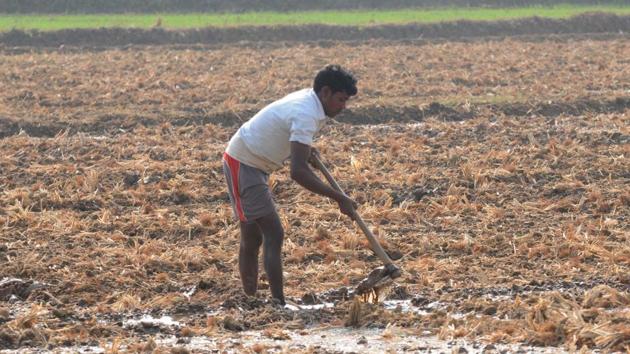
x: 291, y: 305
x: 287, y: 305
x: 243, y: 301
x: 277, y: 302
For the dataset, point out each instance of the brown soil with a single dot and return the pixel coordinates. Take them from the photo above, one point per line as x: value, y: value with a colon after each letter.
x: 581, y: 24
x: 46, y: 92
x: 508, y: 201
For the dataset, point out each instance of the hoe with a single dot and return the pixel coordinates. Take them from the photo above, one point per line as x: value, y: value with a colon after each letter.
x: 380, y: 277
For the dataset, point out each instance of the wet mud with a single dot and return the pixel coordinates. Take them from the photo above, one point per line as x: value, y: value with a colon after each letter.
x: 400, y: 322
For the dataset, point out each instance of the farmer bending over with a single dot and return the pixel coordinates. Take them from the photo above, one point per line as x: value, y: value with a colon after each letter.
x: 282, y: 130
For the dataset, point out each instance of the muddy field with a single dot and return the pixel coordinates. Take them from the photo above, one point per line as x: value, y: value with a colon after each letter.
x: 496, y: 170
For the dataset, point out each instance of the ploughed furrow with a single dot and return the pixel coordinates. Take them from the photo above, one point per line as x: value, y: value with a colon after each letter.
x: 114, y: 124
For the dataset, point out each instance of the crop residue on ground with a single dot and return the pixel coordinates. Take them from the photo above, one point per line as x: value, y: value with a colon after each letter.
x: 507, y: 197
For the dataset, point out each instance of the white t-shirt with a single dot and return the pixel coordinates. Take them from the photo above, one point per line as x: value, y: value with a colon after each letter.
x: 265, y: 140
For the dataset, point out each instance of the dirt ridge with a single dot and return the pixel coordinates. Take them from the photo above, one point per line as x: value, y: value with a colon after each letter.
x: 143, y: 6
x: 591, y: 23
x: 114, y: 124
x: 262, y: 45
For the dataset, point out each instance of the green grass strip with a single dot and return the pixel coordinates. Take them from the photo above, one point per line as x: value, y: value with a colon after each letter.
x: 357, y: 18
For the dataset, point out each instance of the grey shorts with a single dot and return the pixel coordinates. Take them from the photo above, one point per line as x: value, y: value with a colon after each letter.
x: 248, y: 189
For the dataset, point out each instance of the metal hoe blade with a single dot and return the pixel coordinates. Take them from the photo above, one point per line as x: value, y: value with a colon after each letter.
x: 378, y: 279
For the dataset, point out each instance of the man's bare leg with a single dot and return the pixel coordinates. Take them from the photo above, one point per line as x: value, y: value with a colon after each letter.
x: 273, y: 236
x: 251, y: 239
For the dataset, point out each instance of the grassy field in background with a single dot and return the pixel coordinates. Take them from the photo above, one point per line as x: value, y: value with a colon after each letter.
x: 57, y: 22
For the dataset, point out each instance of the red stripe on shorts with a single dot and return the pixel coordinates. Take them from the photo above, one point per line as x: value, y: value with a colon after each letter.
x: 234, y: 165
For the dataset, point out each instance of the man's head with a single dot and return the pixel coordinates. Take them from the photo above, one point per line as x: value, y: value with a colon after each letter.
x: 334, y: 86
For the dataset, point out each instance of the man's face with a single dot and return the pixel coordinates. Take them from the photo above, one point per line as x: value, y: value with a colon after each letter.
x: 333, y: 103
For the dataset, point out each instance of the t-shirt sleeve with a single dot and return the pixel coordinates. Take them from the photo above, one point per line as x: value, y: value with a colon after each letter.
x: 303, y: 130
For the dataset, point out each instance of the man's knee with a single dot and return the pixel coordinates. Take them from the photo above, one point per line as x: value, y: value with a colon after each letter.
x: 270, y: 223
x: 274, y: 237
x: 273, y: 233
x: 251, y: 235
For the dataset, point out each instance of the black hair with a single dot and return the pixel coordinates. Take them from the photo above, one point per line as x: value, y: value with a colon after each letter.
x: 338, y: 79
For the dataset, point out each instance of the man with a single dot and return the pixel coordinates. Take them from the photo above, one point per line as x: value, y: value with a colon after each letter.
x: 282, y: 130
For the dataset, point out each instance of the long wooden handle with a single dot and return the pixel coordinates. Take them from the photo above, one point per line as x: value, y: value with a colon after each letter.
x: 380, y: 252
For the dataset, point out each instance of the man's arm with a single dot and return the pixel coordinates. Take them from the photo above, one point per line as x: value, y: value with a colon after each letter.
x: 304, y: 176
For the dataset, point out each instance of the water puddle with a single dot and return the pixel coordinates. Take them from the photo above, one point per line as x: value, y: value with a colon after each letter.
x: 341, y: 340
x: 408, y: 306
x: 297, y: 307
x: 149, y: 322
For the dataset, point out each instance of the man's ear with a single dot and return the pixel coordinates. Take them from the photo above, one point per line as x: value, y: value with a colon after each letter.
x: 325, y: 91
